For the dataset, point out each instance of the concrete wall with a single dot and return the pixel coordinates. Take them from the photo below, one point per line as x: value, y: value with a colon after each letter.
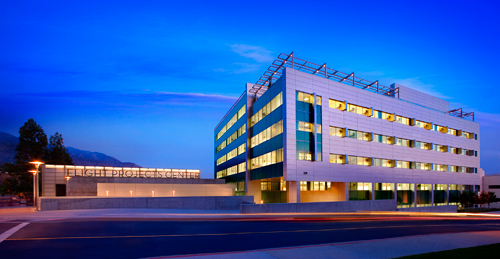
x: 345, y: 206
x: 87, y: 186
x: 193, y: 203
x: 490, y: 180
x: 163, y: 190
x: 444, y: 208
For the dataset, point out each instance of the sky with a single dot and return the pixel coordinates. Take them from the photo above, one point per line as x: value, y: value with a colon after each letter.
x: 148, y: 81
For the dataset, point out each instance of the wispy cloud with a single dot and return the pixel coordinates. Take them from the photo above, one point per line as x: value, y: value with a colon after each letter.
x: 257, y: 53
x: 136, y: 97
x: 246, y: 68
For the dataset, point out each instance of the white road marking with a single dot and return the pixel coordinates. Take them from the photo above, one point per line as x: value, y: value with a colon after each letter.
x: 11, y: 231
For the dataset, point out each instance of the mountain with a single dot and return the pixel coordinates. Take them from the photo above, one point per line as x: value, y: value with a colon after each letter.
x: 8, y: 144
x: 82, y: 157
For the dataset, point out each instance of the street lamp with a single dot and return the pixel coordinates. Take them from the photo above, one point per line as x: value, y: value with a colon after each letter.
x: 34, y: 185
x: 67, y: 180
x: 37, y: 164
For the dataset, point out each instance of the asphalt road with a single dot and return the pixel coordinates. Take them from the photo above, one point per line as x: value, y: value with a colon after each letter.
x: 122, y: 238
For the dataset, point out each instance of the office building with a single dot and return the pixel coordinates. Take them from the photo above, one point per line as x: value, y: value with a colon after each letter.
x: 308, y: 133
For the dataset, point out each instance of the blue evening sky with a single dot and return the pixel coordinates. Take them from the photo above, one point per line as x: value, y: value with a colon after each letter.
x: 147, y: 81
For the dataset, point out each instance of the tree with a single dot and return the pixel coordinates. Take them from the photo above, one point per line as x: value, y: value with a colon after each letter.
x: 10, y: 186
x: 57, y: 153
x: 32, y: 145
x: 492, y: 198
x: 467, y: 199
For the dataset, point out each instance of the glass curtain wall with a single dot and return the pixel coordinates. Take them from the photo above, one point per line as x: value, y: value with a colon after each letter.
x: 405, y: 195
x: 440, y: 194
x: 305, y: 126
x: 384, y: 191
x: 424, y: 195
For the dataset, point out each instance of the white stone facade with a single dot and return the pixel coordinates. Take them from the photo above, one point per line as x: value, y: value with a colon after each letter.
x: 325, y: 171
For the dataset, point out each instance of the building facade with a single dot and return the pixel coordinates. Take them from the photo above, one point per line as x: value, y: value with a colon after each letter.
x: 308, y: 133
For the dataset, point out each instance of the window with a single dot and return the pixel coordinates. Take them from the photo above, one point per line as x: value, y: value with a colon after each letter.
x: 359, y: 109
x: 423, y: 145
x: 231, y: 122
x: 453, y: 150
x: 383, y: 139
x: 439, y: 128
x: 303, y: 186
x: 452, y: 131
x: 423, y: 125
x: 358, y: 160
x: 439, y: 148
x: 305, y: 126
x: 382, y: 115
x: 231, y: 170
x: 403, y: 142
x: 336, y: 104
x: 402, y: 120
x: 337, y: 159
x: 267, y: 134
x: 304, y: 155
x: 383, y: 162
x: 403, y: 164
x: 359, y: 135
x: 242, y: 130
x: 220, y: 147
x: 423, y: 166
x: 339, y: 132
x: 241, y: 149
x: 359, y: 186
x: 442, y: 168
x: 405, y: 187
x: 270, y: 158
x: 221, y: 160
x: 454, y: 168
x: 232, y: 138
x: 466, y: 134
x: 267, y: 109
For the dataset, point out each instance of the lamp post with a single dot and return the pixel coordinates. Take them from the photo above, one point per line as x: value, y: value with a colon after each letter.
x: 37, y: 164
x: 67, y: 180
x: 34, y: 185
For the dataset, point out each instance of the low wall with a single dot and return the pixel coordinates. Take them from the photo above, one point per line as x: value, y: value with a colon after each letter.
x: 339, y: 206
x: 443, y: 208
x: 194, y: 203
x: 87, y: 186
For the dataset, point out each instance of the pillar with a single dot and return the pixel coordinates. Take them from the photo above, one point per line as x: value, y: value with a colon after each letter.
x: 254, y: 189
x: 395, y: 191
x: 414, y: 195
x: 346, y: 184
x: 447, y: 194
x: 432, y: 194
x: 292, y: 192
x: 373, y: 191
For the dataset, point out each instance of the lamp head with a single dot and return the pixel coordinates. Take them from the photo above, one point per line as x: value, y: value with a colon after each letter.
x: 37, y: 163
x: 33, y: 172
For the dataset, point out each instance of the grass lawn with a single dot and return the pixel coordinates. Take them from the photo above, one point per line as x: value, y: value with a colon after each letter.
x: 488, y: 251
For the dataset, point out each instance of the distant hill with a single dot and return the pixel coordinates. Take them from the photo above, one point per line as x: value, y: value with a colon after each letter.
x: 82, y: 157
x: 8, y: 144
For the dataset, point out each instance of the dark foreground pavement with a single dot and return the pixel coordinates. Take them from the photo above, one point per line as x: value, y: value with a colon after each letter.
x: 138, y: 238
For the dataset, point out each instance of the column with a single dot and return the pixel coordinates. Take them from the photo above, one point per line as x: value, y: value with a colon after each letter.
x: 414, y: 195
x: 254, y: 189
x: 346, y: 191
x: 396, y: 192
x: 293, y: 192
x: 432, y: 194
x: 373, y: 191
x: 447, y: 194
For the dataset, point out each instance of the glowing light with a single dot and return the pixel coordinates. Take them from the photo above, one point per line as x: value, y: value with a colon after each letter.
x: 37, y: 163
x: 261, y: 202
x: 173, y: 193
x: 67, y: 178
x: 130, y: 193
x: 152, y: 193
x: 33, y: 172
x: 107, y: 193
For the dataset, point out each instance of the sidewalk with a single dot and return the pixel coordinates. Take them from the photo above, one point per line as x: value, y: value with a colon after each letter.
x: 381, y: 248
